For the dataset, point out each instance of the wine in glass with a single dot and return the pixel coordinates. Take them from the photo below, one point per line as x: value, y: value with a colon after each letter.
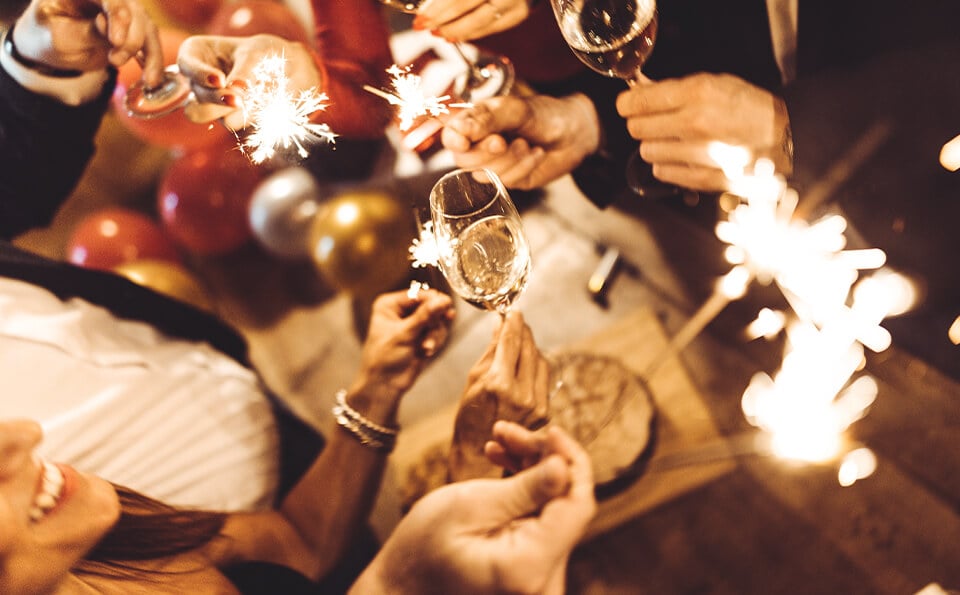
x: 615, y: 38
x: 487, y: 76
x: 483, y: 252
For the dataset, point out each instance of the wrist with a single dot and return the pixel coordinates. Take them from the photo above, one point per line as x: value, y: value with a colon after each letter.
x: 72, y: 91
x: 377, y: 402
x: 10, y: 48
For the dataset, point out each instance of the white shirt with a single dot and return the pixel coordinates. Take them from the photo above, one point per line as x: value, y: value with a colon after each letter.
x: 176, y: 420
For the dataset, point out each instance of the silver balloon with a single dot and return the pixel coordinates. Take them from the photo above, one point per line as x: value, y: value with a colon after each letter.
x: 282, y: 210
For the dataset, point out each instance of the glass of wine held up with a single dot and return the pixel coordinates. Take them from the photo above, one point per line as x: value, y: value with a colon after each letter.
x: 483, y: 252
x: 615, y: 38
x: 488, y: 76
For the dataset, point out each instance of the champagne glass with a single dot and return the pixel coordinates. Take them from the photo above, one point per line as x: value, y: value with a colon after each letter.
x: 615, y: 38
x: 170, y: 95
x: 483, y: 252
x: 488, y: 76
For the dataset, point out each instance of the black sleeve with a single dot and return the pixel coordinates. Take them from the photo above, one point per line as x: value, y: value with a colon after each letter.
x: 45, y: 147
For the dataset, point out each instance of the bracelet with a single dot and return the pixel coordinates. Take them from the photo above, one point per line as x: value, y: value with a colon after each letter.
x: 11, y: 49
x: 367, y: 432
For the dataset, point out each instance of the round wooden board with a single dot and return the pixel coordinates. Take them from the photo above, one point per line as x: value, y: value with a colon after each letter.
x: 606, y: 408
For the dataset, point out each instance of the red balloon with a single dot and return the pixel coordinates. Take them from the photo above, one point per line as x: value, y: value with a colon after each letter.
x: 190, y: 13
x: 204, y: 197
x: 113, y: 236
x: 173, y: 130
x: 249, y: 17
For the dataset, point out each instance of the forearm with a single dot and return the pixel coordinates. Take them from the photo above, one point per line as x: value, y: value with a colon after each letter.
x: 46, y: 146
x: 331, y: 503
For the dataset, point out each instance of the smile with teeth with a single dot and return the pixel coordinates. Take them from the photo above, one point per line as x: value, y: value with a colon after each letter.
x: 51, y: 488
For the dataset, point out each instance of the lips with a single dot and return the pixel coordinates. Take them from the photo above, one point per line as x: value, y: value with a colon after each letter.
x: 51, y: 489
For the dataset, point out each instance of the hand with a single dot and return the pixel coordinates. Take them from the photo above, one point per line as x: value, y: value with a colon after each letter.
x: 510, y: 381
x: 509, y: 535
x: 527, y: 141
x: 460, y: 20
x: 221, y: 68
x: 404, y: 333
x: 677, y: 120
x: 87, y: 35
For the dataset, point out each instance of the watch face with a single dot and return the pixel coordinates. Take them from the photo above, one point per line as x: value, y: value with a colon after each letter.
x: 172, y: 94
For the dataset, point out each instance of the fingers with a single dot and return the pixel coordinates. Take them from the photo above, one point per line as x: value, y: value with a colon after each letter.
x: 131, y: 32
x: 470, y: 19
x: 530, y: 490
x: 199, y: 58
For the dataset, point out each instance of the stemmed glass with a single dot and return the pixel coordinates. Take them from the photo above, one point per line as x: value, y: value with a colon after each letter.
x: 615, y: 38
x: 488, y: 76
x: 170, y: 95
x: 483, y: 252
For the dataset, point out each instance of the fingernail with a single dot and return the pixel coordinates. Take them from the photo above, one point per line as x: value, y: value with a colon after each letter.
x: 229, y: 99
x: 214, y: 80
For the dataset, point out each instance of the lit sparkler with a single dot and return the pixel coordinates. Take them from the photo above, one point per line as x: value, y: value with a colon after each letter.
x: 280, y: 119
x: 425, y: 250
x: 409, y: 97
x: 812, y: 400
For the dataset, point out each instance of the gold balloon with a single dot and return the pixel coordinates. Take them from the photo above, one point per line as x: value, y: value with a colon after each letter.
x: 167, y: 278
x: 360, y: 241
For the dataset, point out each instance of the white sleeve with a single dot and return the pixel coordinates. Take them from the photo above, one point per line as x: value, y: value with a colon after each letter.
x: 74, y: 91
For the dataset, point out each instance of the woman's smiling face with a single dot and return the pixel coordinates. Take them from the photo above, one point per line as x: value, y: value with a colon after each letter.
x: 50, y: 515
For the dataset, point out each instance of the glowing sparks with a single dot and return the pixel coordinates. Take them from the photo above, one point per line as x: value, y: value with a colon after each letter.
x: 280, y: 119
x: 950, y: 155
x: 425, y: 250
x: 409, y: 97
x: 808, y: 405
x: 415, y: 288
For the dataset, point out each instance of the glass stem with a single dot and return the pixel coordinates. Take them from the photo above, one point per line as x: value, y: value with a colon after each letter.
x: 475, y: 73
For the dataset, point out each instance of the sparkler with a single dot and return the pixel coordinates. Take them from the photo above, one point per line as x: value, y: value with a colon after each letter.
x: 280, y: 119
x: 811, y: 401
x: 409, y: 97
x: 425, y: 250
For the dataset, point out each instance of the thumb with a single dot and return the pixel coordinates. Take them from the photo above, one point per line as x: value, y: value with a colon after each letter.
x: 528, y: 491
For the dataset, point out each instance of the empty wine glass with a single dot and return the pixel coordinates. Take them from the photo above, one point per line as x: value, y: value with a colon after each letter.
x: 489, y: 75
x: 615, y: 38
x: 167, y: 97
x: 483, y: 252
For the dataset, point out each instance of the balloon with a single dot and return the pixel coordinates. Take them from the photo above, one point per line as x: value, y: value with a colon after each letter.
x: 249, y: 17
x: 173, y: 130
x: 360, y: 242
x: 204, y: 197
x: 191, y: 13
x: 168, y: 278
x: 282, y: 210
x: 109, y: 237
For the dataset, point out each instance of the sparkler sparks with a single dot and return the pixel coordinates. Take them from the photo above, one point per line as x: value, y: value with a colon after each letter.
x: 808, y: 405
x: 425, y: 250
x: 409, y: 97
x: 280, y: 119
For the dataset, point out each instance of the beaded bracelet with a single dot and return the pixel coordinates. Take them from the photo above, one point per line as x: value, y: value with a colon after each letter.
x: 369, y: 433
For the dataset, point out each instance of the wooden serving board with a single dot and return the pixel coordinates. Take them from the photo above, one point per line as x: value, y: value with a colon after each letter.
x: 681, y: 423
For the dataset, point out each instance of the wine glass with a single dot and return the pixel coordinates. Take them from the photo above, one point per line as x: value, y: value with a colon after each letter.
x: 487, y: 76
x: 170, y: 95
x: 483, y: 251
x: 615, y: 38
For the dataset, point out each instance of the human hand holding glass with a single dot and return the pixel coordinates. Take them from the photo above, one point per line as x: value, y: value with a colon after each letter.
x: 615, y: 38
x: 488, y: 76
